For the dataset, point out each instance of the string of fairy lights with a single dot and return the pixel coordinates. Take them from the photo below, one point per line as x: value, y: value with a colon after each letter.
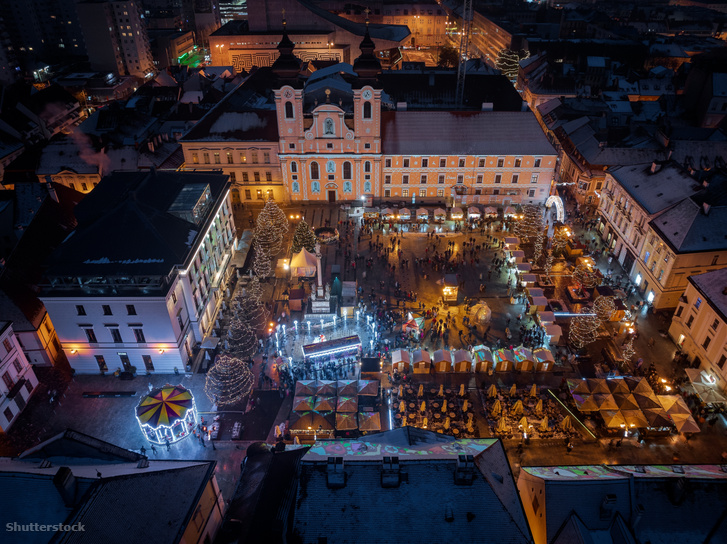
x: 229, y: 381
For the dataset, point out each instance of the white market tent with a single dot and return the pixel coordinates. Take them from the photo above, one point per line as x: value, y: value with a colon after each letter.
x: 423, y: 214
x: 404, y: 214
x: 490, y: 211
x: 387, y: 213
x: 456, y: 213
x: 473, y: 212
x: 303, y: 264
x: 440, y: 214
x: 510, y: 211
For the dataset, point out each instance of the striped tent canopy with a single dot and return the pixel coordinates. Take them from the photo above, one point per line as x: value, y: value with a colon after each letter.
x: 163, y: 407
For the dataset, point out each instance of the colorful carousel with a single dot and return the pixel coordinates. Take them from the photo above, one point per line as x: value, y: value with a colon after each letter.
x: 167, y: 414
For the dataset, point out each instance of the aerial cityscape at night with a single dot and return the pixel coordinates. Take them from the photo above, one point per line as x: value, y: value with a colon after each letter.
x: 321, y: 272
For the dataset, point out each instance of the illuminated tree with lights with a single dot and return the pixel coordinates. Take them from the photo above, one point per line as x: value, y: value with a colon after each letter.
x: 560, y: 240
x: 229, y: 381
x: 253, y: 311
x: 586, y: 276
x: 253, y: 289
x: 538, y: 247
x: 531, y: 223
x: 604, y: 308
x: 628, y: 351
x: 276, y: 217
x: 267, y: 236
x: 242, y: 339
x: 508, y: 62
x: 262, y: 265
x: 583, y: 329
x: 549, y: 263
x: 303, y: 237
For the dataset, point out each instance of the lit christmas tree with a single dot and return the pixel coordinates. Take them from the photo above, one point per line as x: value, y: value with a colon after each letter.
x: 604, y: 308
x: 276, y: 217
x: 253, y: 289
x: 253, y: 311
x: 560, y: 240
x: 628, y: 351
x: 586, y: 276
x: 583, y: 329
x: 229, y: 381
x: 549, y: 263
x: 262, y: 264
x: 531, y: 223
x: 538, y: 247
x: 508, y: 62
x: 242, y: 339
x: 303, y: 237
x: 267, y: 236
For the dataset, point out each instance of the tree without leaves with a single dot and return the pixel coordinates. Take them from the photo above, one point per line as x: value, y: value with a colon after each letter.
x: 304, y: 237
x: 583, y: 329
x: 549, y: 263
x: 448, y: 57
x: 604, y: 307
x: 628, y: 351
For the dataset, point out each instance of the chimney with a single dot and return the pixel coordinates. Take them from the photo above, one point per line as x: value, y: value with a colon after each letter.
x: 465, y: 471
x: 705, y: 208
x: 390, y: 472
x: 655, y: 167
x: 335, y: 477
x: 488, y: 106
x: 51, y: 189
x: 66, y: 484
x: 607, y: 505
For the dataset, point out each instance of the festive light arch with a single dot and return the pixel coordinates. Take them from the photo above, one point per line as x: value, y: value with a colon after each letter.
x: 559, y: 209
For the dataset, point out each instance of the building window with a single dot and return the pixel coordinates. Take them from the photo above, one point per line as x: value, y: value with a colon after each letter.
x: 425, y: 163
x: 139, y: 336
x: 387, y: 178
x: 294, y: 167
x: 8, y: 346
x: 116, y: 335
x: 259, y: 194
x: 233, y: 177
x: 481, y: 163
x: 461, y: 163
x: 268, y: 176
x: 531, y: 193
x: 266, y: 157
x: 256, y: 176
x: 245, y: 177
x: 536, y: 164
x: 498, y: 178
x: 715, y: 324
x: 405, y: 192
x: 721, y: 362
x: 646, y: 257
x: 460, y: 178
x: 195, y: 158
x: 315, y: 187
x: 106, y: 309
x: 534, y: 178
x: 243, y: 158
x: 147, y: 358
x: 405, y: 179
x: 423, y: 179
x: 80, y: 310
x: 8, y: 413
x: 679, y: 311
x: 101, y: 362
x: 206, y: 158
x: 347, y: 187
x: 387, y: 163
x: 443, y: 163
x: 18, y: 367
x: 315, y: 172
x: 479, y: 178
x: 518, y: 162
x: 217, y: 158
x: 406, y: 163
x: 248, y: 194
x: 387, y: 193
x: 440, y: 193
x: 289, y: 110
x: 229, y: 158
x: 441, y: 178
x: 698, y: 302
x: 515, y: 177
x: 714, y: 260
x: 295, y: 187
x: 422, y: 192
x: 90, y: 336
x: 690, y: 321
x: 367, y: 110
x: 500, y: 162
x: 367, y: 187
x: 346, y: 170
x: 254, y: 156
x: 367, y: 167
x: 496, y: 191
x: 707, y: 341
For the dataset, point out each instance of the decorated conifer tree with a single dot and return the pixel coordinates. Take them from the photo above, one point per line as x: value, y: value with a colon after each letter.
x: 229, y: 381
x: 277, y: 218
x: 628, y: 351
x: 242, y: 340
x: 586, y: 276
x: 549, y: 263
x: 583, y: 328
x: 267, y: 236
x: 303, y: 237
x: 604, y: 307
x: 253, y: 311
x: 262, y: 265
x: 531, y: 223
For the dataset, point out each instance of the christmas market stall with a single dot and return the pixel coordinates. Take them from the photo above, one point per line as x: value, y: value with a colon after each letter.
x: 504, y: 360
x: 491, y: 212
x: 473, y: 213
x: 422, y: 361
x: 387, y: 214
x: 456, y: 214
x: 440, y: 215
x: 524, y: 359
x: 442, y: 361
x: 483, y: 359
x: 400, y: 360
x: 303, y: 264
x: 369, y: 421
x: 167, y: 414
x: 544, y: 360
x: 422, y: 215
x: 309, y: 426
x: 404, y: 214
x: 462, y: 361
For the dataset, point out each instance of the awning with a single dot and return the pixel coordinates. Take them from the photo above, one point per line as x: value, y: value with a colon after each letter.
x: 439, y: 212
x: 473, y: 211
x: 489, y: 210
x: 509, y: 211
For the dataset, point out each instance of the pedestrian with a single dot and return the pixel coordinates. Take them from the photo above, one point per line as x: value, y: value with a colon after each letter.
x: 568, y: 447
x: 153, y: 449
x: 166, y: 441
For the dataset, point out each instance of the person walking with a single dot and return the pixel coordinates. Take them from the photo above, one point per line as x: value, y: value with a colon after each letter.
x: 153, y: 449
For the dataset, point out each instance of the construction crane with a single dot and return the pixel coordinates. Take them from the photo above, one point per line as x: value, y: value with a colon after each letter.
x: 464, y: 42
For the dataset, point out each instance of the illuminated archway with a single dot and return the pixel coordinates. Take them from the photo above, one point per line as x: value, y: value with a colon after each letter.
x: 559, y: 210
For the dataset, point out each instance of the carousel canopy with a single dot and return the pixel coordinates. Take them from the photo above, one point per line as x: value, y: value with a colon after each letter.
x: 165, y: 406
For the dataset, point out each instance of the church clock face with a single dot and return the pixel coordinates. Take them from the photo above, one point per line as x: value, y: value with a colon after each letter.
x: 366, y: 94
x: 288, y: 93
